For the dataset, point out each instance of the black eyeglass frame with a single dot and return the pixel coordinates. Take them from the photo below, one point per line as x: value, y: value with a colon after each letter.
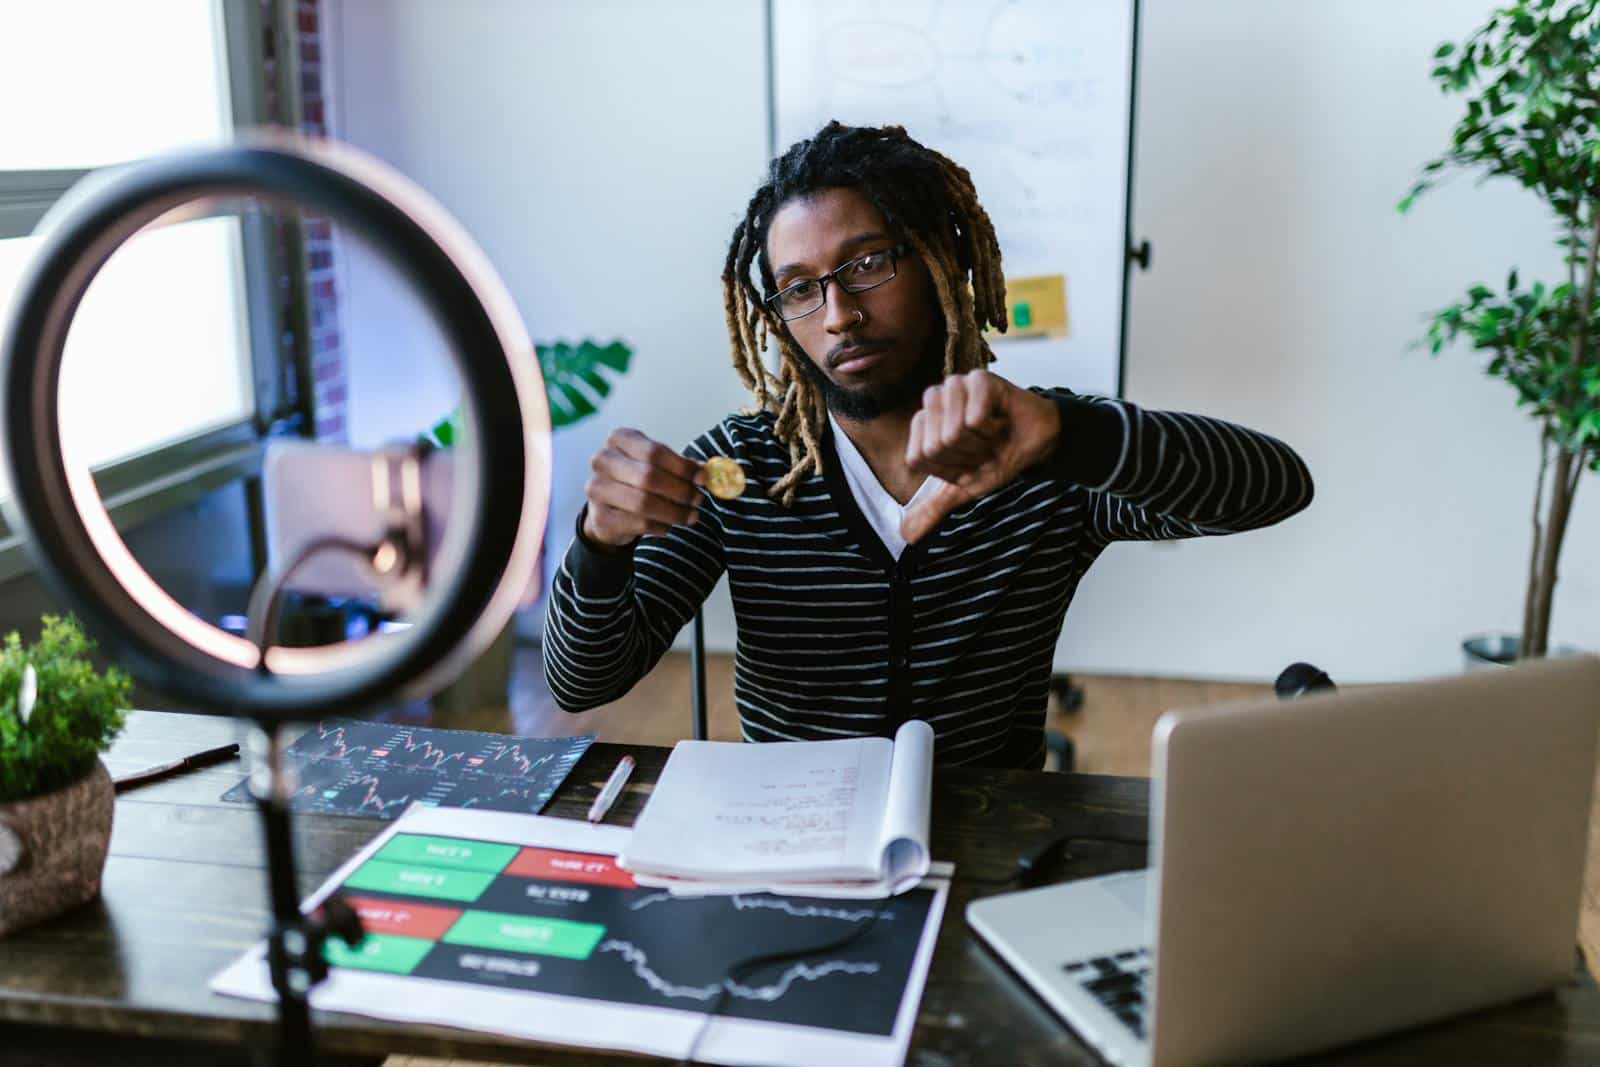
x: 894, y: 254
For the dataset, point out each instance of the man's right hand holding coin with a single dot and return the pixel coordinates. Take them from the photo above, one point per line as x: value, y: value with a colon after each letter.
x: 639, y: 487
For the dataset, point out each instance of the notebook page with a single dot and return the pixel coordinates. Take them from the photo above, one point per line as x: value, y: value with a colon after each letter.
x: 811, y: 809
x: 904, y: 844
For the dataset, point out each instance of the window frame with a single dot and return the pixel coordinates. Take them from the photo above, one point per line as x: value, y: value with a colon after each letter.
x: 143, y: 486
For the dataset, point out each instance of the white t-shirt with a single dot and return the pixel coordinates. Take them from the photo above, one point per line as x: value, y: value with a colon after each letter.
x: 881, y: 509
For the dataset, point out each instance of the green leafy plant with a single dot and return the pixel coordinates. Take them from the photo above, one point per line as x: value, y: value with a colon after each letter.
x: 577, y: 380
x: 1528, y: 77
x: 77, y: 713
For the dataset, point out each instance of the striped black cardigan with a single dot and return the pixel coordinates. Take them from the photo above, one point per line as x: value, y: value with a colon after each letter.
x: 838, y: 639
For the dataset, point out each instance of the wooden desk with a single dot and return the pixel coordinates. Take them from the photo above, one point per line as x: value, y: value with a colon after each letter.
x: 185, y: 894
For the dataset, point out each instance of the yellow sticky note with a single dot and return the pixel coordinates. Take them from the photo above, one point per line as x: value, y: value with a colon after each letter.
x: 1037, y: 306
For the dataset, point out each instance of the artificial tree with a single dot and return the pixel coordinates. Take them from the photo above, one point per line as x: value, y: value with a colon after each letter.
x: 1528, y: 77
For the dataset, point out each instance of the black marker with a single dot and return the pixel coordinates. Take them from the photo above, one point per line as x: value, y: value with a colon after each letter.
x: 199, y: 759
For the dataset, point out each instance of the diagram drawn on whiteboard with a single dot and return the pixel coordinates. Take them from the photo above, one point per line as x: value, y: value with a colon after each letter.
x: 1032, y: 97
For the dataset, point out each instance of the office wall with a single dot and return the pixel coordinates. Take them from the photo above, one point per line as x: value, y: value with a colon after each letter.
x: 601, y: 153
x: 1273, y: 142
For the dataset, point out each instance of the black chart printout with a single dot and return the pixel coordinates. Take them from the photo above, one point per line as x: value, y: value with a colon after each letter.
x: 376, y: 769
x: 527, y: 926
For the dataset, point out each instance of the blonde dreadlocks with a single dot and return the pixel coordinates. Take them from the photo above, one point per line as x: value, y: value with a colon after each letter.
x: 927, y: 200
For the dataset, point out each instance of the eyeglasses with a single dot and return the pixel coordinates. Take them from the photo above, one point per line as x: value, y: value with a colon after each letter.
x: 856, y: 276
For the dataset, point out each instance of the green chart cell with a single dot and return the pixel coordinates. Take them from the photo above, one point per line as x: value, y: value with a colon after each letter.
x: 522, y: 933
x: 417, y: 880
x: 379, y: 952
x: 447, y: 853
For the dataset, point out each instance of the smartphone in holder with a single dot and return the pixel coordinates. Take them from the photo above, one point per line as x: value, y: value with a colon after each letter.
x: 317, y: 493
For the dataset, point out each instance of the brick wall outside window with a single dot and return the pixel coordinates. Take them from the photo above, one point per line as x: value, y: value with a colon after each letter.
x: 329, y: 382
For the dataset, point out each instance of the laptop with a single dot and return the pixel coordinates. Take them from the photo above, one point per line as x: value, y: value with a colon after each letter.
x: 1328, y: 869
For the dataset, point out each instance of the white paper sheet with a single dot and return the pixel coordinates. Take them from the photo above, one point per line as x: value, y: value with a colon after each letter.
x: 576, y: 1020
x: 904, y: 841
x: 791, y: 813
x: 696, y: 887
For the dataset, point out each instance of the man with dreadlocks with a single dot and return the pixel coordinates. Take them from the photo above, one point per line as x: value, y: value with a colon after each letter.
x: 914, y: 526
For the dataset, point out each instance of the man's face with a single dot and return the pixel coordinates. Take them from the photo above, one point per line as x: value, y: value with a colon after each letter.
x: 881, y: 359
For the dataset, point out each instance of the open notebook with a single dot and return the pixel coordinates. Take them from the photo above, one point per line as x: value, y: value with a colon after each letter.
x: 830, y: 818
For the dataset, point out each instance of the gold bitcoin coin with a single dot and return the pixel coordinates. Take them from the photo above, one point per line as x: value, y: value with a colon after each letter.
x: 724, y: 478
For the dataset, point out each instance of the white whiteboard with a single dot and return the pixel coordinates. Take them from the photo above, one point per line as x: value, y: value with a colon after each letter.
x: 1031, y: 96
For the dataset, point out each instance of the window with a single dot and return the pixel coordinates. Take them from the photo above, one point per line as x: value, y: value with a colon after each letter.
x: 158, y: 374
x: 91, y: 82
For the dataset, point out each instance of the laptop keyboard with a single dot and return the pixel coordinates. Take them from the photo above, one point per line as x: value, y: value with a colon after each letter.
x: 1118, y: 981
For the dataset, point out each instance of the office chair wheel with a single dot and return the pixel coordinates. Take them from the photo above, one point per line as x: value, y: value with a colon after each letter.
x: 1061, y: 747
x: 1068, y: 695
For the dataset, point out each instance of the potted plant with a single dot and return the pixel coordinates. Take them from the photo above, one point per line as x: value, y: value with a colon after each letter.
x: 57, y: 714
x: 1533, y: 115
x: 576, y: 381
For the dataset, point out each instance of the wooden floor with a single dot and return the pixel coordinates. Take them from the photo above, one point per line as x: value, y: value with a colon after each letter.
x: 1111, y: 733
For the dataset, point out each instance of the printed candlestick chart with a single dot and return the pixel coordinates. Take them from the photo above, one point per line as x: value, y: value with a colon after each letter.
x: 377, y: 770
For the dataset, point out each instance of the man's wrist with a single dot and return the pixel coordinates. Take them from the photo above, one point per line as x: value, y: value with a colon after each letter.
x: 1049, y: 429
x: 1088, y: 443
x: 593, y: 541
x: 599, y: 569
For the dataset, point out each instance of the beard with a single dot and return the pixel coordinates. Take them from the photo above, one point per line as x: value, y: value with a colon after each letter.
x: 870, y: 401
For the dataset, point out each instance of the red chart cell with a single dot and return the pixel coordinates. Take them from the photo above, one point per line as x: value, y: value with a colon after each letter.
x: 586, y: 867
x: 412, y: 920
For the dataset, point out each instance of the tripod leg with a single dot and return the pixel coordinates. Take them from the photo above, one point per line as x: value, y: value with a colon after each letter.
x: 294, y: 952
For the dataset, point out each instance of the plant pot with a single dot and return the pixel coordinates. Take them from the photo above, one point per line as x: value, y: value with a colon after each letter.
x: 53, y: 850
x: 1487, y: 651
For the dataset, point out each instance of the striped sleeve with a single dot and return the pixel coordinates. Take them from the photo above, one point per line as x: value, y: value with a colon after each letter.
x: 1163, y: 475
x: 611, y: 616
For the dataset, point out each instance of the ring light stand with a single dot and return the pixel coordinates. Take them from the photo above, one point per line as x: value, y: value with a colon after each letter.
x: 488, y: 555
